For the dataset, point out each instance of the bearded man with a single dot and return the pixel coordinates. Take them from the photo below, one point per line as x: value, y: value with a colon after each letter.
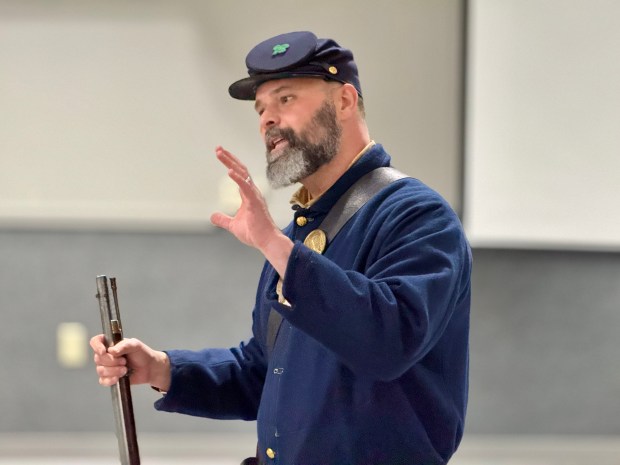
x: 359, y: 354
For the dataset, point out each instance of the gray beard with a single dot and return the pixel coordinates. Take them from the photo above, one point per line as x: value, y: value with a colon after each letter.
x: 301, y: 157
x: 289, y: 168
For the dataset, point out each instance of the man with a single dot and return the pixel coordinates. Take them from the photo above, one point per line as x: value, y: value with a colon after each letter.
x: 359, y: 354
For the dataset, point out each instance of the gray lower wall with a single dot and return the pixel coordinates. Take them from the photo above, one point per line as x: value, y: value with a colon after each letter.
x: 185, y: 291
x: 544, y: 353
x: 545, y: 343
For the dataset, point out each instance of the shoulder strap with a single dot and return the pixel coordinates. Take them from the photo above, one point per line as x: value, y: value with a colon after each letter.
x: 356, y: 197
x: 343, y: 210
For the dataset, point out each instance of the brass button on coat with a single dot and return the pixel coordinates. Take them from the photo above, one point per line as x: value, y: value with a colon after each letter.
x: 301, y: 221
x: 316, y: 240
x: 270, y: 453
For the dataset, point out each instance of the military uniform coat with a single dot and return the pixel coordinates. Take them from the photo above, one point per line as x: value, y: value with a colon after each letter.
x: 370, y: 364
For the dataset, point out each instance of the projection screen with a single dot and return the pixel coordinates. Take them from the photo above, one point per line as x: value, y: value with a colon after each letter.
x: 542, y: 131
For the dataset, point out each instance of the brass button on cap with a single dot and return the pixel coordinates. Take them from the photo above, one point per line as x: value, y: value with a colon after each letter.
x: 270, y: 453
x: 301, y: 221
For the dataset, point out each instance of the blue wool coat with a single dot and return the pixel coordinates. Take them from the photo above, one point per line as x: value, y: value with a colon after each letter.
x: 371, y: 360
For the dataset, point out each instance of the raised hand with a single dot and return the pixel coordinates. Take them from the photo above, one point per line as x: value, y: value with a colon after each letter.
x: 252, y: 224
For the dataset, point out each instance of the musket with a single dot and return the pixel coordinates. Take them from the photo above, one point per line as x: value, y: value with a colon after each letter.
x: 121, y: 391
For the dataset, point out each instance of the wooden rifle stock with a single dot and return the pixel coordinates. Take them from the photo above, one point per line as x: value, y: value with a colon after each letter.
x: 121, y: 391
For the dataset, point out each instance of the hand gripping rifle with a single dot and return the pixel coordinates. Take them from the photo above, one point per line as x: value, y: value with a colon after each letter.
x: 121, y: 392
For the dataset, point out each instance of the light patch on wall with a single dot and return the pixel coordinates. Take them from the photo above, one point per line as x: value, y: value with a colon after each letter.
x: 229, y: 199
x: 72, y: 345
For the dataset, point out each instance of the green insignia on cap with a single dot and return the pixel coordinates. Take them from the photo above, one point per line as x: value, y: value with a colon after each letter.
x: 280, y: 48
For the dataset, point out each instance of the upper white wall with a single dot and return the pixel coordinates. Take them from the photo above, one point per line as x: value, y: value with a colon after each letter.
x: 110, y: 112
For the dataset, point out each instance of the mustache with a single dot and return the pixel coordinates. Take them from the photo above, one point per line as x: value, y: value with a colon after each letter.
x: 275, y: 133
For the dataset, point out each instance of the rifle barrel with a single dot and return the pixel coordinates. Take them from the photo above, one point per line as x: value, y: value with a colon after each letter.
x: 121, y: 391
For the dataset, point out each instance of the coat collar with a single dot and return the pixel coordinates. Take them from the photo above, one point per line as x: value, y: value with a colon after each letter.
x: 370, y: 158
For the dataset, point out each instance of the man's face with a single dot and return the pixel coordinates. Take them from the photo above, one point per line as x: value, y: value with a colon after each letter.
x: 300, y: 128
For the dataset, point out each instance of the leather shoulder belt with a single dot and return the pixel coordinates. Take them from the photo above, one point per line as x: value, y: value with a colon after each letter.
x: 343, y: 210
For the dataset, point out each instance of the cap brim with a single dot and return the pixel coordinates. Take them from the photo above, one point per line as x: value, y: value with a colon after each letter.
x: 245, y: 89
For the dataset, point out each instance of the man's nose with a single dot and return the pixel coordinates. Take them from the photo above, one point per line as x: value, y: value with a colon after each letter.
x: 268, y: 119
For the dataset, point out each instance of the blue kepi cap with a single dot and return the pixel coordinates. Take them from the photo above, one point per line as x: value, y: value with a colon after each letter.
x: 295, y: 54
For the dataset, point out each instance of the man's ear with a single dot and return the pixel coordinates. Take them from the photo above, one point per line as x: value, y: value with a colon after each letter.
x: 347, y: 104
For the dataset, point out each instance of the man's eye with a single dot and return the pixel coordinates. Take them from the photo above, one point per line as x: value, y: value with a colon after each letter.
x: 285, y: 99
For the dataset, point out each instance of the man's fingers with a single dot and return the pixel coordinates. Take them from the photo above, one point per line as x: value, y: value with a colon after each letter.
x: 109, y: 380
x: 109, y: 360
x: 231, y: 162
x: 112, y: 356
x: 97, y: 344
x: 220, y: 220
x: 111, y: 372
x: 246, y: 186
x: 129, y: 356
x: 110, y: 369
x: 126, y: 347
x: 99, y: 347
x: 228, y: 158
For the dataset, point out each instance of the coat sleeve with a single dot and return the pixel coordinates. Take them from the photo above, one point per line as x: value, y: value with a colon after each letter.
x: 216, y: 383
x: 385, y: 315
